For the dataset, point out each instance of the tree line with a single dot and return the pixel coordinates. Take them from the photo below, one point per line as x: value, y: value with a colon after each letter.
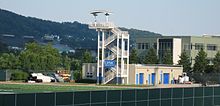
x: 202, y: 63
x: 42, y: 58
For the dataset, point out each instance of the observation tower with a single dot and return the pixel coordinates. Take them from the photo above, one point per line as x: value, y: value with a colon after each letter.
x: 113, y: 50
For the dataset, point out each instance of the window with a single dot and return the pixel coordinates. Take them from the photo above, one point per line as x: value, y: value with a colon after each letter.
x: 187, y: 47
x: 139, y: 45
x: 155, y: 45
x: 211, y: 47
x: 143, y: 45
x: 199, y: 46
x: 146, y: 46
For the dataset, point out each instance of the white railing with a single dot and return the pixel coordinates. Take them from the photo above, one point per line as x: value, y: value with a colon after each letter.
x: 110, y: 39
x: 104, y: 25
x: 109, y: 76
x: 113, y: 49
x: 111, y: 57
x: 116, y: 31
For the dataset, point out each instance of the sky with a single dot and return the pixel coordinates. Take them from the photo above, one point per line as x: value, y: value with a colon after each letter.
x: 167, y: 17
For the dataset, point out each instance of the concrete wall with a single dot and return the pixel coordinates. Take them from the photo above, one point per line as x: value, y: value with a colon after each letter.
x: 177, y: 49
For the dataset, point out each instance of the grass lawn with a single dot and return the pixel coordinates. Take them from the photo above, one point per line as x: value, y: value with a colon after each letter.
x: 26, y: 88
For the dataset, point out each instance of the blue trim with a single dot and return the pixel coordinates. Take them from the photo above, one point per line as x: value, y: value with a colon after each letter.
x: 141, y: 78
x: 153, y: 78
x: 166, y: 78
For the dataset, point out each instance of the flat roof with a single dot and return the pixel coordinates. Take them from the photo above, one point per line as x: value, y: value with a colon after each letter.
x: 164, y: 65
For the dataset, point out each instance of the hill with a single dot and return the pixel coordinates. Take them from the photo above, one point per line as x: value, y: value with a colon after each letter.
x: 73, y: 34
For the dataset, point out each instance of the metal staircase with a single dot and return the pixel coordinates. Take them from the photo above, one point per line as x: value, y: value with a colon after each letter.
x: 113, y: 45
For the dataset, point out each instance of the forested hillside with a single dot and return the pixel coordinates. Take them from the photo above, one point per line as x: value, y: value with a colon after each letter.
x: 73, y: 34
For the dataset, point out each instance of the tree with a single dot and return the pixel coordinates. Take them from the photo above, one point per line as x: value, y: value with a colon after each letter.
x: 167, y: 58
x: 8, y: 61
x: 40, y: 58
x: 133, y: 59
x: 185, y: 62
x: 201, y: 62
x: 151, y: 57
x: 87, y: 57
x: 66, y: 63
x: 216, y: 62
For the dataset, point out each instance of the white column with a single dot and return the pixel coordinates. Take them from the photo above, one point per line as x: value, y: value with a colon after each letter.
x: 128, y: 45
x: 98, y: 57
x: 103, y: 52
x: 122, y: 55
x: 117, y: 59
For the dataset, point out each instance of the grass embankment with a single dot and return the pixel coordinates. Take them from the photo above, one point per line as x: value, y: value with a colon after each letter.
x: 27, y: 88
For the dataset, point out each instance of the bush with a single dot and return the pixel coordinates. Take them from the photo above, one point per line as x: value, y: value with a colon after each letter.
x: 76, y: 75
x: 19, y: 75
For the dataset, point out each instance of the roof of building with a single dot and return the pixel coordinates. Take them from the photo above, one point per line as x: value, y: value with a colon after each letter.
x: 164, y: 65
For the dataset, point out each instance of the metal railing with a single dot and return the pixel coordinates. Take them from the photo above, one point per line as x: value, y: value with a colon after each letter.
x: 103, y: 25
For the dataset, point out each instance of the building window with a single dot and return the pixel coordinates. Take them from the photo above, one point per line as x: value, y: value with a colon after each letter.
x: 146, y: 45
x: 143, y: 45
x: 155, y: 45
x: 139, y: 45
x: 199, y: 46
x: 187, y: 47
x: 211, y: 47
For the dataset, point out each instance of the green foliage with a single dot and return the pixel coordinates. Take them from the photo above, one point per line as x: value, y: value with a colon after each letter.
x: 201, y: 62
x: 209, y: 69
x: 66, y: 62
x: 185, y: 62
x: 216, y: 62
x: 40, y: 58
x: 167, y: 59
x: 87, y: 57
x: 19, y: 75
x: 151, y: 57
x: 75, y: 64
x: 9, y: 61
x: 77, y: 75
x: 133, y: 57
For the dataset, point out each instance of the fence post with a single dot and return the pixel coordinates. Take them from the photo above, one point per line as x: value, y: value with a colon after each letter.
x: 15, y: 99
x: 73, y: 99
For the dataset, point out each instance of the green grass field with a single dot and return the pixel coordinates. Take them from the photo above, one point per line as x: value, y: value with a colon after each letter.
x: 26, y: 88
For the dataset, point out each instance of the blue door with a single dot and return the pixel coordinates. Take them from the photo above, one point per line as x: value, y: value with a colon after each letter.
x: 136, y: 78
x: 153, y: 78
x: 166, y: 77
x: 141, y: 78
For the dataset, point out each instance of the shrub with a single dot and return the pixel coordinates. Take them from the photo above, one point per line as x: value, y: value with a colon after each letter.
x: 19, y: 75
x: 76, y: 75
